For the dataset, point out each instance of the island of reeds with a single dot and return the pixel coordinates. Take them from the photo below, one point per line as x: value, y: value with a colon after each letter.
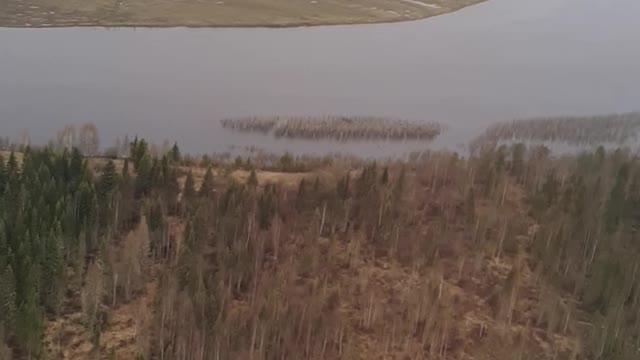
x: 341, y: 128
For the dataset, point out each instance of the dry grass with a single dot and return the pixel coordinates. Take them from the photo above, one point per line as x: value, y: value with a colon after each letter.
x: 270, y: 177
x: 217, y: 13
x: 97, y: 164
x: 19, y: 156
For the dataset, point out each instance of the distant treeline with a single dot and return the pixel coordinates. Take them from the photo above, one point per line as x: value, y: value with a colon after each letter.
x: 337, y: 127
x: 592, y: 130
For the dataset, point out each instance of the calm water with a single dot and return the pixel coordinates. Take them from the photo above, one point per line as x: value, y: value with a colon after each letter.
x: 495, y: 61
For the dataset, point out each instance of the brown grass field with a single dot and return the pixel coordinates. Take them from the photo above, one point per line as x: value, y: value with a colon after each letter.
x: 217, y: 13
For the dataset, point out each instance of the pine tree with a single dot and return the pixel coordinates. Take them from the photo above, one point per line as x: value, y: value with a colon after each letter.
x: 176, y: 158
x: 140, y: 153
x: 108, y: 180
x: 207, y: 187
x: 52, y: 274
x: 144, y: 178
x: 76, y: 168
x: 8, y: 302
x: 12, y: 165
x: 286, y: 162
x: 29, y: 323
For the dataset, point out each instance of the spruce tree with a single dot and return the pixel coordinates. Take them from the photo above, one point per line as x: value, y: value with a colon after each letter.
x: 206, y: 189
x: 175, y: 154
x: 144, y: 178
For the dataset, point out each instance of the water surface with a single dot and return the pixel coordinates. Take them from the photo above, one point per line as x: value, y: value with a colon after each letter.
x: 495, y: 61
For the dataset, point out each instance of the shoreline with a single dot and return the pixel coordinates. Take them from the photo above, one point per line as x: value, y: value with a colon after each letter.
x: 221, y: 24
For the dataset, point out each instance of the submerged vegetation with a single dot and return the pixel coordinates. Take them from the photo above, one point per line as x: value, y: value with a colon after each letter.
x: 337, y: 127
x: 593, y: 130
x: 507, y: 252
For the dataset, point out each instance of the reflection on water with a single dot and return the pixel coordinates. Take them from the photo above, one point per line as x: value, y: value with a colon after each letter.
x: 495, y: 61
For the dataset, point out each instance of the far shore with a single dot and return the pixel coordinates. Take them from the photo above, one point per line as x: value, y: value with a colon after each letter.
x: 217, y: 13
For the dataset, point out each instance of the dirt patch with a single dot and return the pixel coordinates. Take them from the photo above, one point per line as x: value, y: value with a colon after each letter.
x: 236, y: 13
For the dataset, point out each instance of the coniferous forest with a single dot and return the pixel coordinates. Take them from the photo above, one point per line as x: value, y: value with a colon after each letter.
x: 509, y: 252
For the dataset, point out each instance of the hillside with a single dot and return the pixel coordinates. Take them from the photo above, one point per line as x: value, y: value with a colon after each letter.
x: 510, y: 253
x: 211, y: 13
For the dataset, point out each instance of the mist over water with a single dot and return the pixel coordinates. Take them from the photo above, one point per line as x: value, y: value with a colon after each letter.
x: 496, y: 61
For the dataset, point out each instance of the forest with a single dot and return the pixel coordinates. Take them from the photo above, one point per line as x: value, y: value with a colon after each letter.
x: 508, y: 252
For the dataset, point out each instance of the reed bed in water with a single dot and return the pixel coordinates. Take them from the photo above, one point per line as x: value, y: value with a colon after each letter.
x: 614, y: 128
x: 337, y: 127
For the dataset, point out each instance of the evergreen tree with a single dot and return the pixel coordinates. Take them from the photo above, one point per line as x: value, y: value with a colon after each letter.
x: 8, y: 302
x: 140, y: 154
x: 52, y: 274
x: 207, y: 187
x: 12, y: 165
x: 29, y: 322
x: 144, y: 178
x: 176, y: 158
x: 286, y: 162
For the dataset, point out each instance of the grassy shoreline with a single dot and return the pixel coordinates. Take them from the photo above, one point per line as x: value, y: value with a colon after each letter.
x: 218, y: 14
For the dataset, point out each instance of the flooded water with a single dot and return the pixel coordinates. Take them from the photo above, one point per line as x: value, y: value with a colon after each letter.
x: 495, y: 61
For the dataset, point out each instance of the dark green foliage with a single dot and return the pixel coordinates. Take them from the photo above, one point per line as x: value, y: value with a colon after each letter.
x: 206, y: 189
x: 107, y: 185
x: 286, y: 162
x: 144, y: 178
x: 51, y: 213
x: 139, y: 150
x: 175, y: 154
